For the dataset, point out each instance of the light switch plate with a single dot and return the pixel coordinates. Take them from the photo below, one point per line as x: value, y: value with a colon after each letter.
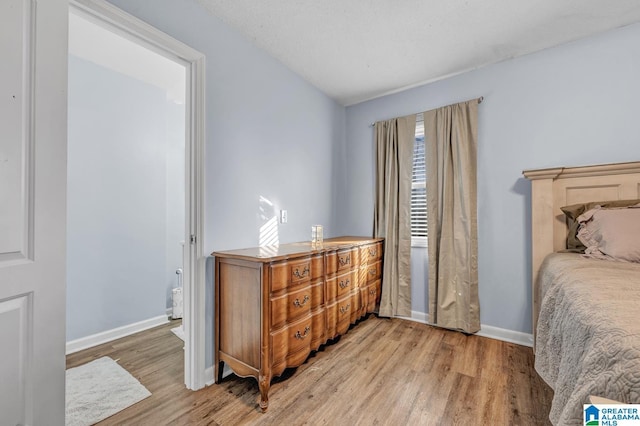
x: 283, y: 216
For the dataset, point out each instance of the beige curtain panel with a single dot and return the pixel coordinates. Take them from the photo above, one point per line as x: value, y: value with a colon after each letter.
x: 394, y: 141
x: 451, y: 135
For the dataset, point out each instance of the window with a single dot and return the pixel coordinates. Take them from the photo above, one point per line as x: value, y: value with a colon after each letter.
x: 419, y: 189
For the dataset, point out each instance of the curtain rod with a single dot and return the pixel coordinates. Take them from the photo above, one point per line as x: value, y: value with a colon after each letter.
x: 480, y: 99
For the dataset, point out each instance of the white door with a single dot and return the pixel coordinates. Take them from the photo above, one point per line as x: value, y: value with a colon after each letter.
x: 33, y: 111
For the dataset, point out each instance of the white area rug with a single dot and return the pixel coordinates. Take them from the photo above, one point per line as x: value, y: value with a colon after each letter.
x: 99, y: 389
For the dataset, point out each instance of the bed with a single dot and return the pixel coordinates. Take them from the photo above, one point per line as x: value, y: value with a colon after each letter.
x: 585, y: 311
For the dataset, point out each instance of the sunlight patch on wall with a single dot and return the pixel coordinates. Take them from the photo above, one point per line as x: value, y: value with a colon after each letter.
x: 268, y: 232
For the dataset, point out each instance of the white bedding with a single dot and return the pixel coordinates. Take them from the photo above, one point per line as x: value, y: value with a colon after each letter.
x: 588, y: 335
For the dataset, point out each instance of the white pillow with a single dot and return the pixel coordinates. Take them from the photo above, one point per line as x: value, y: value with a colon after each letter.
x: 611, y: 233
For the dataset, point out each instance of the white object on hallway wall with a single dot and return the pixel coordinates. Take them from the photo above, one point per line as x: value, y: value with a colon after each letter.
x: 177, y: 297
x: 177, y: 303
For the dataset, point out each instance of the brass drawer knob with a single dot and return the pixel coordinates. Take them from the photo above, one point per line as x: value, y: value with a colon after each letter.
x: 300, y: 304
x: 345, y: 260
x: 300, y: 336
x: 344, y: 284
x: 345, y: 309
x: 304, y: 273
x: 372, y: 271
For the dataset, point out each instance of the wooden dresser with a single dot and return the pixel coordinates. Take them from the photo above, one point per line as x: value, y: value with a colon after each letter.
x: 274, y: 305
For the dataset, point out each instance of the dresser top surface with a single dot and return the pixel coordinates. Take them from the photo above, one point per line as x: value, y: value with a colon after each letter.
x: 293, y: 250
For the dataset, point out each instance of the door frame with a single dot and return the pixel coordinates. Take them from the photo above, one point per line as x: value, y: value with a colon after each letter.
x: 116, y: 20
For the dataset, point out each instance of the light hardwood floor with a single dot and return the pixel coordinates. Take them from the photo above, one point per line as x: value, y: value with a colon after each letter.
x: 382, y: 372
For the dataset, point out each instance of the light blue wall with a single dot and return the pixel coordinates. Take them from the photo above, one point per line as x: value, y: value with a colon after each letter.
x: 269, y: 134
x: 576, y: 104
x: 122, y: 248
x: 175, y: 195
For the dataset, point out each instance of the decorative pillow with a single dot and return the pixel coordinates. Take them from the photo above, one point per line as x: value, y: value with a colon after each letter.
x: 611, y: 233
x: 573, y: 211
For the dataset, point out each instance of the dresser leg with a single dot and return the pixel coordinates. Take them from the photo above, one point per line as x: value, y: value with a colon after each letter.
x: 263, y: 384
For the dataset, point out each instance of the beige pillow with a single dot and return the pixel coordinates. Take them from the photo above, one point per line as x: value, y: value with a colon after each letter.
x: 573, y: 211
x: 611, y: 233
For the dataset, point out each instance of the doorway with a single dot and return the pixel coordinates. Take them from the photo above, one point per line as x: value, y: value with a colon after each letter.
x: 139, y: 174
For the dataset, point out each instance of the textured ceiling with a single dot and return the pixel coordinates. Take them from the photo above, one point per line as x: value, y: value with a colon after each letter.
x: 354, y: 50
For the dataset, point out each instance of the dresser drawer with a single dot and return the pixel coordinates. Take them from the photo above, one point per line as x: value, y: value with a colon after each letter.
x: 345, y: 260
x: 317, y: 267
x: 289, y: 273
x: 292, y: 339
x: 373, y: 271
x: 332, y: 320
x: 299, y: 272
x: 356, y: 305
x: 344, y: 315
x: 330, y: 287
x: 373, y: 296
x: 364, y: 301
x: 370, y: 253
x: 317, y: 295
x: 300, y: 335
x: 332, y: 262
x: 364, y: 254
x: 318, y: 328
x: 344, y: 309
x: 344, y: 284
x: 355, y: 256
x: 290, y: 306
x: 361, y: 275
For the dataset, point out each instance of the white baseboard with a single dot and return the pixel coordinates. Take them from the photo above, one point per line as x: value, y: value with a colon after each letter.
x: 208, y: 374
x: 113, y: 334
x: 517, y: 337
x: 418, y: 317
x: 511, y: 336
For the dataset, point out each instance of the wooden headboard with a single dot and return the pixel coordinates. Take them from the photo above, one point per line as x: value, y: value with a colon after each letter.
x: 563, y: 186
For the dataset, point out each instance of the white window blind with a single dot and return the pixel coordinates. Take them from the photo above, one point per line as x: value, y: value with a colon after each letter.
x: 419, y: 189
